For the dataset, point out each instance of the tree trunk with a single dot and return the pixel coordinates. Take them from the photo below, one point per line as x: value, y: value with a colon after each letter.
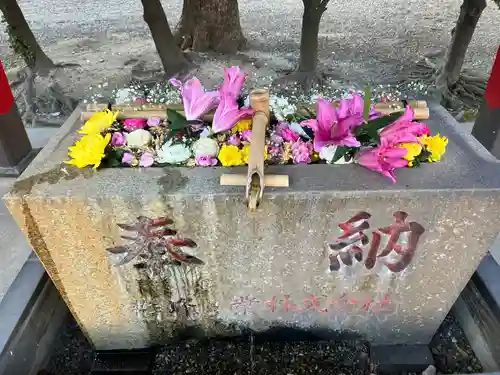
x: 21, y: 38
x: 470, y: 12
x: 170, y: 54
x: 210, y: 25
x: 313, y: 10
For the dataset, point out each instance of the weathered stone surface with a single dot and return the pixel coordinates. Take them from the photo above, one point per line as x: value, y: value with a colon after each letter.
x: 246, y: 270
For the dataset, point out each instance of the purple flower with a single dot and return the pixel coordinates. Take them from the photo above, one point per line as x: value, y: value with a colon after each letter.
x: 234, y: 80
x: 196, y: 101
x: 132, y: 124
x: 383, y: 159
x: 274, y: 150
x: 128, y: 158
x: 333, y: 126
x: 234, y: 140
x: 206, y: 161
x: 118, y: 139
x: 246, y: 135
x: 228, y: 114
x: 154, y: 121
x: 404, y: 130
x: 301, y: 152
x: 146, y: 160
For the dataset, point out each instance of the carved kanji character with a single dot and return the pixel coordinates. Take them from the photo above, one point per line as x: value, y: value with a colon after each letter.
x: 383, y: 305
x: 347, y: 246
x: 287, y: 305
x: 271, y: 303
x: 313, y: 303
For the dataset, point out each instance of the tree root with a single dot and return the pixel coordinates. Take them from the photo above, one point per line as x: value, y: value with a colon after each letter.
x: 466, y: 93
x: 303, y: 81
x: 32, y: 107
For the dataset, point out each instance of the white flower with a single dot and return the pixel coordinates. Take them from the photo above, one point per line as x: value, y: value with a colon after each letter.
x: 328, y: 152
x: 205, y: 132
x: 139, y: 138
x: 122, y: 96
x: 173, y: 154
x: 296, y: 128
x: 205, y: 147
x: 281, y: 108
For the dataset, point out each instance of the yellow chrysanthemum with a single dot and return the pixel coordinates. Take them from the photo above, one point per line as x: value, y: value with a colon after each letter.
x: 99, y: 122
x: 436, y: 145
x: 230, y: 156
x: 89, y: 150
x: 242, y: 125
x: 413, y: 150
x: 315, y: 156
x: 245, y: 153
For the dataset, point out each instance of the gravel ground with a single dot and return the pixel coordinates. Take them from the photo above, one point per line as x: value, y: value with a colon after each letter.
x: 374, y: 41
x: 283, y: 352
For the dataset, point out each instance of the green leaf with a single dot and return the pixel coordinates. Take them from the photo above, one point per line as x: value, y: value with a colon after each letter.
x: 339, y: 153
x: 370, y: 130
x: 113, y: 158
x: 176, y: 121
x: 368, y: 103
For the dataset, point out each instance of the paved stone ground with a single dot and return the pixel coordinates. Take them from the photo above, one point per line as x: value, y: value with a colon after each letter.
x: 267, y: 355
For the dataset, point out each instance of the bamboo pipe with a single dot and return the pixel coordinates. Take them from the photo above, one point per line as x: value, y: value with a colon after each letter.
x: 419, y: 114
x: 158, y: 106
x: 270, y: 180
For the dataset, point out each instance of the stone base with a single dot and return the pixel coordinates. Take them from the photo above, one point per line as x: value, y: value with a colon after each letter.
x: 17, y: 170
x: 478, y: 312
x: 30, y: 345
x: 124, y: 362
x: 390, y: 359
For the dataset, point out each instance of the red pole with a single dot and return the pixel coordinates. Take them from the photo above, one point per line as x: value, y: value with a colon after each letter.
x: 15, y: 147
x: 487, y: 125
x: 6, y: 96
x: 492, y: 94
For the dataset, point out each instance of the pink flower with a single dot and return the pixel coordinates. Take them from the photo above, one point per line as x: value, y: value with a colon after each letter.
x: 146, y: 160
x: 301, y: 152
x: 289, y: 135
x: 228, y: 114
x: 333, y: 126
x: 196, y: 101
x: 132, y: 124
x: 274, y: 150
x: 118, y: 139
x: 206, y: 161
x: 234, y: 80
x: 154, y: 121
x: 404, y: 130
x: 234, y: 140
x: 128, y: 158
x: 246, y: 135
x: 140, y: 101
x: 383, y: 159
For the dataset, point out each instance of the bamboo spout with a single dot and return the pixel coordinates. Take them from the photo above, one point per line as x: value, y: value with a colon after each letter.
x: 259, y: 100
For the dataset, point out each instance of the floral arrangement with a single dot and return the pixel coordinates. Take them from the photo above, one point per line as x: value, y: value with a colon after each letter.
x: 343, y: 131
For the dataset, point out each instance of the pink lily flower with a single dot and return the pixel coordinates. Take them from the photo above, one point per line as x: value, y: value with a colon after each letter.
x: 234, y: 80
x: 383, y: 159
x: 333, y: 126
x: 228, y: 114
x: 353, y: 108
x: 404, y: 129
x: 196, y: 101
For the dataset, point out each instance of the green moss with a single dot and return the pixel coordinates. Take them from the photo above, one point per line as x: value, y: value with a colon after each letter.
x: 18, y: 46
